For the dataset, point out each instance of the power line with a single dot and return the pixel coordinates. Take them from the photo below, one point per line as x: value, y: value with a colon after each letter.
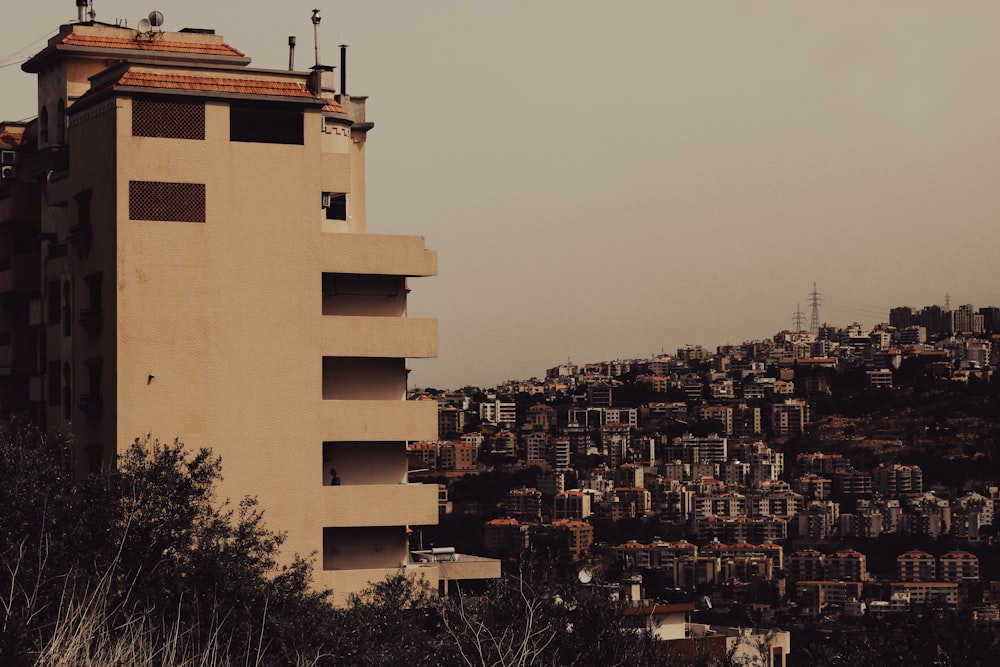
x: 18, y: 54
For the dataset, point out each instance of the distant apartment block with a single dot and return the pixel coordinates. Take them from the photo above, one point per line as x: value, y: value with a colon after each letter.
x: 790, y: 417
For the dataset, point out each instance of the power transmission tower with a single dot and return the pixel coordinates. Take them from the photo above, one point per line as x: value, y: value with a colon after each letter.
x: 798, y: 318
x: 815, y: 298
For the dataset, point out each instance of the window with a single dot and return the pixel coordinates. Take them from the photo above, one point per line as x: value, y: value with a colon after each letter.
x: 169, y: 119
x: 170, y: 202
x: 266, y: 123
x: 91, y: 317
x: 67, y: 391
x: 54, y: 305
x: 61, y: 123
x: 335, y: 205
x: 81, y: 234
x: 55, y: 386
x: 43, y: 127
x: 91, y: 403
x: 67, y: 309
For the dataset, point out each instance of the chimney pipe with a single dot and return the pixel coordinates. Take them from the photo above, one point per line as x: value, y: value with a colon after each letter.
x: 81, y: 10
x: 291, y: 53
x: 343, y: 69
x: 316, y: 19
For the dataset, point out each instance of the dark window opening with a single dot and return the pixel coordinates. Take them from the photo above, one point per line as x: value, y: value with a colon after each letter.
x: 170, y: 202
x: 92, y: 316
x: 81, y: 234
x: 335, y: 205
x: 266, y: 124
x: 61, y: 123
x: 67, y: 391
x: 43, y: 349
x: 54, y: 305
x: 67, y: 309
x: 43, y: 127
x: 95, y: 456
x: 168, y: 119
x: 55, y: 388
x: 91, y: 403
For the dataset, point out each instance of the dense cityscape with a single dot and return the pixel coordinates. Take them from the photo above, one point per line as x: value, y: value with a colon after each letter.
x: 812, y: 478
x: 213, y: 451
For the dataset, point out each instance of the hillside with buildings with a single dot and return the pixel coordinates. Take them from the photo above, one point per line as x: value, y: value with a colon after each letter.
x: 826, y: 477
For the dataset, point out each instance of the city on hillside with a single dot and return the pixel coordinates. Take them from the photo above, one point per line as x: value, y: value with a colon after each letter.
x: 817, y: 476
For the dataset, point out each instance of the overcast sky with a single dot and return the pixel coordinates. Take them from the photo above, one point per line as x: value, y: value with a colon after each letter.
x: 608, y: 180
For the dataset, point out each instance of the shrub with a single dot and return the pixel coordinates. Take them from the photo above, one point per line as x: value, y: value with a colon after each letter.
x: 144, y: 546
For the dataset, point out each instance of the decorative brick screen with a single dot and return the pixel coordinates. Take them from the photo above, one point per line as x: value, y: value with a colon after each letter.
x: 170, y: 120
x: 173, y: 202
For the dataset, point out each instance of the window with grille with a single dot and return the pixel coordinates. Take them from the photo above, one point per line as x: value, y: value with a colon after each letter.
x: 171, y: 202
x: 168, y: 119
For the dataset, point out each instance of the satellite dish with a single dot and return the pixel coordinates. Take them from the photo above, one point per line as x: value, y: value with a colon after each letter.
x: 155, y: 19
x: 144, y: 25
x: 585, y: 576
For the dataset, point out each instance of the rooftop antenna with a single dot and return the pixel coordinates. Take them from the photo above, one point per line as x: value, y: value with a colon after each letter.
x: 147, y: 26
x: 343, y: 69
x: 291, y: 53
x: 947, y: 301
x: 316, y: 18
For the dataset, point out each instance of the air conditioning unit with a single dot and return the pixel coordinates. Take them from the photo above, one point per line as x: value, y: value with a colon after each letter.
x: 327, y: 199
x: 8, y: 172
x: 8, y: 157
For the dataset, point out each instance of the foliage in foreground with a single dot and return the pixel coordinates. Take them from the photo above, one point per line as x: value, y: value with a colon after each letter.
x: 926, y: 636
x: 142, y: 550
x: 538, y: 617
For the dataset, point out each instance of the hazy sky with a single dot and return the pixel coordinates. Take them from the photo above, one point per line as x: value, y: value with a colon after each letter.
x: 608, y: 180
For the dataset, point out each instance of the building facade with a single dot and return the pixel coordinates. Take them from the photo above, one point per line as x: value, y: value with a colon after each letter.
x: 200, y: 269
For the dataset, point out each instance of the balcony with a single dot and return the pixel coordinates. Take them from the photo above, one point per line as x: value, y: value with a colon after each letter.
x: 36, y: 388
x: 91, y: 405
x: 36, y: 313
x: 379, y: 254
x: 362, y: 420
x: 17, y: 351
x: 6, y: 353
x: 21, y: 205
x: 20, y: 273
x: 379, y: 505
x: 48, y: 159
x: 91, y: 319
x: 80, y: 237
x: 345, y: 336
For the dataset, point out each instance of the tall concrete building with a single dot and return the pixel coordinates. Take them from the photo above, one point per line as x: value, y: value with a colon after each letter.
x: 183, y: 253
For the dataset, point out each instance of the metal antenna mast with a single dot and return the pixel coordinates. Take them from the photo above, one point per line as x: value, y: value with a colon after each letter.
x: 947, y: 301
x: 798, y: 318
x: 815, y: 298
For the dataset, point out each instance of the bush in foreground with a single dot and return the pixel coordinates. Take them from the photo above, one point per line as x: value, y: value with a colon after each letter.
x: 142, y: 550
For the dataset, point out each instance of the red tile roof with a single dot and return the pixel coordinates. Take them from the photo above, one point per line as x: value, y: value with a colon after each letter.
x: 502, y: 522
x: 213, y: 84
x: 95, y: 41
x: 333, y: 105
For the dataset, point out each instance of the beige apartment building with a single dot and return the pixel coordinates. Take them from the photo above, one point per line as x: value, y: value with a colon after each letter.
x: 184, y: 253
